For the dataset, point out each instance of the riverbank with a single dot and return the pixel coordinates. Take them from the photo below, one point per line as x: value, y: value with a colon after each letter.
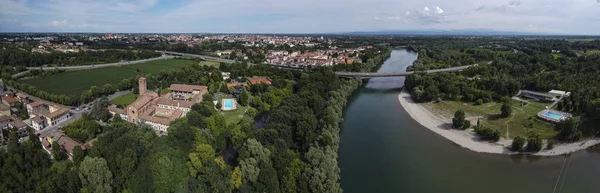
x: 469, y: 140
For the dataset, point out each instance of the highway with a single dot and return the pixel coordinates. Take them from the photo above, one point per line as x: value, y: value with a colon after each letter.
x: 98, y: 65
x: 390, y: 74
x: 212, y: 58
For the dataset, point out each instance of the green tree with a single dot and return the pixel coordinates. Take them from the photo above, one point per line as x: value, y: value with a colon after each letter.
x: 567, y: 130
x: 78, y: 155
x: 517, y: 144
x: 95, y: 175
x: 459, y: 119
x: 195, y: 119
x: 534, y: 144
x: 243, y: 99
x: 506, y: 110
x: 236, y: 177
x: 479, y: 102
x: 218, y: 105
x: 57, y: 153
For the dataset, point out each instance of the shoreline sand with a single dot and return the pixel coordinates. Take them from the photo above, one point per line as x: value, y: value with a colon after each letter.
x: 467, y: 139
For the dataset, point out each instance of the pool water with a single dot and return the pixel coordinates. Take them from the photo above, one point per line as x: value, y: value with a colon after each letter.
x: 228, y: 104
x: 554, y: 115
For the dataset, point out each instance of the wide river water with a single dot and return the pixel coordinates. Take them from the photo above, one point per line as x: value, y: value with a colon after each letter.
x: 384, y: 150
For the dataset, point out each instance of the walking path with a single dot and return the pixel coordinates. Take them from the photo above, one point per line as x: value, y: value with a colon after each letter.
x: 467, y: 138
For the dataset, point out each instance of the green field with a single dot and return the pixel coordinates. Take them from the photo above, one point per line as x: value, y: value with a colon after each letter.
x: 209, y: 63
x: 77, y: 81
x: 523, y: 120
x: 125, y: 99
x: 557, y: 56
x: 232, y: 117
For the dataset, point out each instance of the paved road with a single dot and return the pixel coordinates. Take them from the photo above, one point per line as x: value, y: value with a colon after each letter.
x: 375, y: 74
x: 20, y: 74
x: 101, y: 65
x: 200, y: 56
x: 118, y: 94
x: 77, y: 112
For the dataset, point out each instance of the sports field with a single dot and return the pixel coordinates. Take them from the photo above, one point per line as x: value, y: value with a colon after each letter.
x: 77, y: 81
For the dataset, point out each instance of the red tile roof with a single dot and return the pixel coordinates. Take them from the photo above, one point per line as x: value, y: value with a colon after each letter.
x: 10, y: 99
x: 58, y: 113
x: 37, y: 120
x: 115, y: 109
x: 188, y: 88
x: 142, y: 101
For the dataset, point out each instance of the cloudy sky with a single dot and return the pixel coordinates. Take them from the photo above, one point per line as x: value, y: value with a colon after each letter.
x: 299, y: 16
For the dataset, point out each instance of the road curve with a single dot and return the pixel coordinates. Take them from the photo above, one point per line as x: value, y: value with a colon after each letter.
x: 100, y: 65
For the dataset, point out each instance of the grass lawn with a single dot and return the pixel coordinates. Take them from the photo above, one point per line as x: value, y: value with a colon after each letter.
x: 125, y: 99
x: 77, y: 81
x: 209, y: 63
x: 557, y: 56
x: 523, y: 120
x: 233, y: 117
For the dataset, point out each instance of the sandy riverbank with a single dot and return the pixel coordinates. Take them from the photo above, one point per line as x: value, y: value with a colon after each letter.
x: 467, y: 139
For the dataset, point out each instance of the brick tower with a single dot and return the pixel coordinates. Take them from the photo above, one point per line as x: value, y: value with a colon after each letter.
x: 142, y: 85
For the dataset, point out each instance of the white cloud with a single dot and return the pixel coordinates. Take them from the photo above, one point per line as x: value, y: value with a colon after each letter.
x: 575, y: 16
x: 62, y: 23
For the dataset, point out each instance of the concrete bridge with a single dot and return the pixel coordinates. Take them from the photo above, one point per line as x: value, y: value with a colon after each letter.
x: 365, y: 75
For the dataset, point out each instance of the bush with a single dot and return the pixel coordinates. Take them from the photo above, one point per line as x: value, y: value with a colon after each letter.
x: 534, y: 144
x: 487, y: 134
x: 459, y: 119
x: 504, y: 99
x: 479, y: 102
x: 517, y: 144
x: 466, y: 124
x: 550, y: 144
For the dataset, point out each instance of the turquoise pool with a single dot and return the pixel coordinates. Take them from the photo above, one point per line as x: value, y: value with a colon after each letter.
x: 554, y: 115
x: 228, y: 104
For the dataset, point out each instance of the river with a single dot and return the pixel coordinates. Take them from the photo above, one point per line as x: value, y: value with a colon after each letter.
x: 383, y: 150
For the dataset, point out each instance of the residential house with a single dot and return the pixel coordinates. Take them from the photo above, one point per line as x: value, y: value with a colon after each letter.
x: 20, y: 126
x: 67, y: 145
x: 57, y: 116
x: 22, y: 97
x: 36, y: 107
x: 38, y: 123
x: 9, y: 101
x: 4, y: 121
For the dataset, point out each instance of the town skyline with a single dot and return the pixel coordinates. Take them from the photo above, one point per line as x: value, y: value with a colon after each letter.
x: 233, y: 16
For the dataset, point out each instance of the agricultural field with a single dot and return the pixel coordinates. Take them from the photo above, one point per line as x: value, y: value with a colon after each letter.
x: 125, y: 99
x: 77, y: 81
x: 523, y: 120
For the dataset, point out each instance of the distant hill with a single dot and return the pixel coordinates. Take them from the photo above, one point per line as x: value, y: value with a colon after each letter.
x: 465, y: 32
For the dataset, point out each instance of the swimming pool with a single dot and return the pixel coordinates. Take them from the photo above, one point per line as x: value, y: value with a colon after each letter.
x: 228, y: 104
x: 554, y: 115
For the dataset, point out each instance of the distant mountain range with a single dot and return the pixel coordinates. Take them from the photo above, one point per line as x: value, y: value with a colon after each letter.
x: 465, y: 32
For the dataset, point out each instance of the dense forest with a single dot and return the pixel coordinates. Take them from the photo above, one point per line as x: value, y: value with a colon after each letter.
x: 16, y: 58
x: 530, y: 65
x: 287, y: 142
